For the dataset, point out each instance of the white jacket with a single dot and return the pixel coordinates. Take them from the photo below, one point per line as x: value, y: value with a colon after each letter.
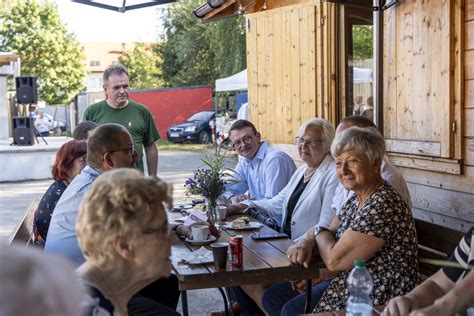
x: 314, y: 204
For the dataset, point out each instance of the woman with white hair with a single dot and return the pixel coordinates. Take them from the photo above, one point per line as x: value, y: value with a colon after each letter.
x: 306, y: 200
x: 374, y: 225
x: 33, y: 283
x: 124, y: 234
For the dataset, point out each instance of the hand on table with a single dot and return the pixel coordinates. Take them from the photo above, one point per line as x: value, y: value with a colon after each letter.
x: 400, y: 305
x: 239, y: 198
x: 185, y: 231
x: 301, y: 252
x: 233, y: 209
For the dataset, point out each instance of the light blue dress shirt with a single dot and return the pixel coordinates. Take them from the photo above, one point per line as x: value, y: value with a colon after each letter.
x: 263, y: 176
x: 62, y: 239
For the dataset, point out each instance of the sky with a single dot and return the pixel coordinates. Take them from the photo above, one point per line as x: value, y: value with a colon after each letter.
x: 92, y: 24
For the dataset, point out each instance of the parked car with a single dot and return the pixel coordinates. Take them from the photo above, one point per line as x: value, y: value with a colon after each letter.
x: 195, y: 129
x: 52, y: 124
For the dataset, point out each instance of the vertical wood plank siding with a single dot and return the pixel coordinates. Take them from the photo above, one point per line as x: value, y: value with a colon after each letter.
x: 282, y: 57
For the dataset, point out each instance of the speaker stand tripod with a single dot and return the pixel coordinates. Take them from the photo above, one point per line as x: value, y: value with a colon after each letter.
x: 36, y: 133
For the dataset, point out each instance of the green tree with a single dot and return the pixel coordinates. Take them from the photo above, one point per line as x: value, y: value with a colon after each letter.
x: 34, y: 31
x: 195, y: 53
x: 363, y: 43
x: 142, y: 65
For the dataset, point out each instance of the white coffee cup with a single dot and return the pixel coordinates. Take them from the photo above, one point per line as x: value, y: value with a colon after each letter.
x: 222, y: 209
x: 200, y: 232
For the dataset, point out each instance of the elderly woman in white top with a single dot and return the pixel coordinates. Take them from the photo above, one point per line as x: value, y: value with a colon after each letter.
x: 306, y: 199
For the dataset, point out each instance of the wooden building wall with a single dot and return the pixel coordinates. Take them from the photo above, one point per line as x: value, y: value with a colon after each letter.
x: 428, y: 91
x: 287, y: 70
x: 429, y: 106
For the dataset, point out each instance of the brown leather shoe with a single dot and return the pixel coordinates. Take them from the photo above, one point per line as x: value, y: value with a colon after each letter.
x: 235, y: 310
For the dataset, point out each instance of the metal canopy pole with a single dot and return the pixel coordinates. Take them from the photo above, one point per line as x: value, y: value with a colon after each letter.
x: 378, y: 62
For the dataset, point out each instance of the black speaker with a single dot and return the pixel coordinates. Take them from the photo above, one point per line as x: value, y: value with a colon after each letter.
x: 26, y: 91
x: 23, y: 131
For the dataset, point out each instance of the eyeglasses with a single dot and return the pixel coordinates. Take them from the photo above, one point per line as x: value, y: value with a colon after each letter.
x: 131, y: 149
x: 307, y: 142
x: 351, y: 162
x: 245, y: 140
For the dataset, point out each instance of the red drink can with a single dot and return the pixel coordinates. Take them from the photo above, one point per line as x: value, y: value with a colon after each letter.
x: 236, y: 245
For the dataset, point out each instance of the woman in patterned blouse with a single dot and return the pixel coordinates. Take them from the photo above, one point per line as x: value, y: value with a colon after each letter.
x: 70, y: 160
x: 375, y: 225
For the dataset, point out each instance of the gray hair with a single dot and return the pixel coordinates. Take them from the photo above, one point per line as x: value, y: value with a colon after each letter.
x: 367, y: 140
x: 102, y: 139
x: 37, y: 284
x: 116, y: 69
x: 327, y: 130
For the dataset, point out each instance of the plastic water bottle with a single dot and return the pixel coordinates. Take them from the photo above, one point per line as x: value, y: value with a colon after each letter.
x: 360, y: 285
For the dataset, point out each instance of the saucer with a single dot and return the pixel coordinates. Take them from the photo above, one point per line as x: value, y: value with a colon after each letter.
x: 200, y: 242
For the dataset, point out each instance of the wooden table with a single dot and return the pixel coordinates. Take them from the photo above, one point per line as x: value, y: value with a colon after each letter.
x: 264, y: 262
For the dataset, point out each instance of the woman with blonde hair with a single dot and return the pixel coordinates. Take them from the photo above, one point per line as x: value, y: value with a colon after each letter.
x: 124, y: 234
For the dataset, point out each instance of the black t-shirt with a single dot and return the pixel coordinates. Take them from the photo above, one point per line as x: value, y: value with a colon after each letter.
x: 295, y: 196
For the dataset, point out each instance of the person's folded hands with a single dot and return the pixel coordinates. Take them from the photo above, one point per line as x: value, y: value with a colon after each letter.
x: 301, y: 252
x: 398, y: 306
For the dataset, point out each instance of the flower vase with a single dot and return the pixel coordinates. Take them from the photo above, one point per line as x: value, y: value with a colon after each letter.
x: 212, y: 213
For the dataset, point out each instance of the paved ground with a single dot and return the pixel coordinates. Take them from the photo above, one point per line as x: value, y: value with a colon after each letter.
x: 174, y: 167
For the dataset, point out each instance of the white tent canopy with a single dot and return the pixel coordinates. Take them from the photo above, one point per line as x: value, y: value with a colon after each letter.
x: 362, y: 75
x: 238, y: 81
x: 235, y: 82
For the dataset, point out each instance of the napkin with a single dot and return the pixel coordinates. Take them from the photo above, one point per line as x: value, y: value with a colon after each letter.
x: 202, y: 255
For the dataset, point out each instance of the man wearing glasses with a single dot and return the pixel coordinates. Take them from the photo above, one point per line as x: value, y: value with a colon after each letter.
x: 262, y: 170
x: 109, y: 147
x: 117, y: 108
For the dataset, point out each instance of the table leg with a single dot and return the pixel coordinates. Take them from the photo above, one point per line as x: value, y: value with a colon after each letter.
x: 184, y: 303
x: 226, y: 306
x: 309, y: 288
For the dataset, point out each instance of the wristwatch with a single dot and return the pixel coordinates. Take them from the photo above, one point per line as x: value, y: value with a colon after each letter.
x: 319, y: 229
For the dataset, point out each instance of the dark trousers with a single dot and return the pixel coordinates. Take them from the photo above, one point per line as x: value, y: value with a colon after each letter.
x: 247, y: 305
x: 281, y: 299
x: 159, y: 298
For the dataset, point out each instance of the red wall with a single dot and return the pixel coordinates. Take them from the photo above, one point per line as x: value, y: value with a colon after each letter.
x: 169, y: 106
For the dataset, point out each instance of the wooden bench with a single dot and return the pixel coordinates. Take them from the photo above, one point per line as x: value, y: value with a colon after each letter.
x: 435, y: 242
x: 23, y: 232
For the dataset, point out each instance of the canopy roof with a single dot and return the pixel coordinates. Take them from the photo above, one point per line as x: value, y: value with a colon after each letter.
x: 238, y: 81
x: 121, y: 5
x: 235, y: 82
